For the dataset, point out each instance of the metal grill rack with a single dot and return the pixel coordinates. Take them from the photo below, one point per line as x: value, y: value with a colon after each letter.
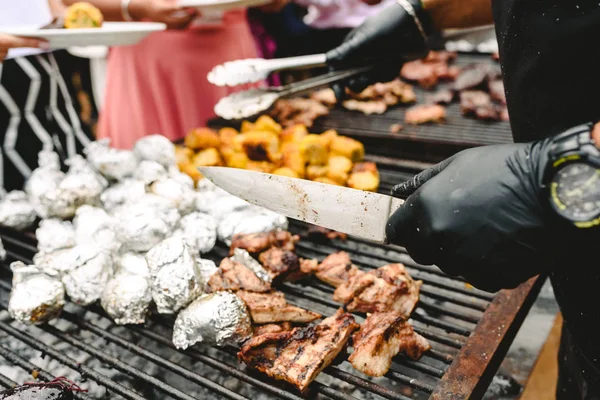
x: 469, y: 331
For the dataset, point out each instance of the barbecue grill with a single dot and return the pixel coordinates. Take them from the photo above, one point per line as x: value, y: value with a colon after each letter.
x: 469, y: 330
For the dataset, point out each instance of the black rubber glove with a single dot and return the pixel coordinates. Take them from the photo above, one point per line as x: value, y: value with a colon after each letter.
x: 480, y: 214
x: 385, y: 41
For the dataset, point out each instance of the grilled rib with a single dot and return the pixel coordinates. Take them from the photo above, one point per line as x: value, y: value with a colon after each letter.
x: 389, y: 288
x: 278, y: 261
x: 297, y: 357
x: 258, y: 242
x: 380, y: 338
x: 234, y: 276
x: 272, y: 307
x: 336, y: 269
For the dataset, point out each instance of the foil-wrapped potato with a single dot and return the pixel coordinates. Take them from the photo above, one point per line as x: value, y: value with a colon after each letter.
x: 113, y: 164
x: 155, y: 148
x: 16, y: 211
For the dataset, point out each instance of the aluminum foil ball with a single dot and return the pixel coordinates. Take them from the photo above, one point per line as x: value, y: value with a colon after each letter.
x: 217, y: 318
x: 113, y: 164
x: 252, y: 220
x: 150, y: 171
x: 127, y: 297
x: 206, y: 268
x: 121, y: 193
x: 43, y: 183
x: 155, y: 148
x: 184, y: 179
x: 182, y: 196
x: 16, y: 211
x: 94, y: 226
x: 199, y: 231
x: 2, y: 251
x: 219, y: 203
x: 35, y: 297
x: 54, y: 234
x: 85, y: 283
x: 176, y: 279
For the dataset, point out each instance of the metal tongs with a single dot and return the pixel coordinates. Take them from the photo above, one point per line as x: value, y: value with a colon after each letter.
x: 251, y: 102
x: 248, y: 103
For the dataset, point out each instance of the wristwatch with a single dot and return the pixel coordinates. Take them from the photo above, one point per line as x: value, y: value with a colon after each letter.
x: 572, y: 176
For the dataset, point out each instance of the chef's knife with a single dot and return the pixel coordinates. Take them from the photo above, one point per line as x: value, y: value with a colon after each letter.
x: 355, y: 212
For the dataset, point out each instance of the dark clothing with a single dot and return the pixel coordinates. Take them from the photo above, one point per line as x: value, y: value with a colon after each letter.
x: 551, y: 65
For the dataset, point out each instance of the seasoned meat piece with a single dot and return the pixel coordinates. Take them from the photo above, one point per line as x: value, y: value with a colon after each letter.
x: 388, y: 288
x: 297, y: 357
x: 365, y: 107
x: 318, y: 233
x: 396, y: 128
x: 391, y: 93
x: 450, y: 73
x: 441, y: 97
x: 504, y: 114
x: 496, y: 89
x: 424, y: 113
x: 479, y: 105
x: 298, y: 110
x: 325, y: 96
x: 496, y: 56
x: 278, y: 261
x: 255, y: 243
x: 266, y: 308
x: 426, y: 75
x: 336, y: 269
x: 471, y: 77
x: 307, y: 269
x: 441, y: 56
x: 235, y: 276
x: 272, y: 328
x: 381, y: 337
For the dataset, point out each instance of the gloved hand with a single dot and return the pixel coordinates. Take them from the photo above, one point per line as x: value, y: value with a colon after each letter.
x: 480, y: 214
x: 385, y: 40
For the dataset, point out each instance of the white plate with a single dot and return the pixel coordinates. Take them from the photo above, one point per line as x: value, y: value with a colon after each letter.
x: 110, y: 34
x: 222, y: 5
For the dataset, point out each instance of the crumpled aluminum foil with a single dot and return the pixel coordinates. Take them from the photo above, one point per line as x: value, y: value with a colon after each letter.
x: 206, y: 268
x: 2, y: 251
x: 113, y: 164
x: 86, y: 281
x: 219, y: 203
x: 35, y: 297
x: 127, y: 297
x: 252, y: 220
x: 199, y: 231
x: 176, y: 279
x: 42, y: 185
x: 93, y: 225
x: 150, y: 171
x: 217, y: 318
x: 155, y: 148
x: 144, y: 223
x: 205, y: 185
x: 121, y: 193
x: 243, y: 257
x: 182, y: 196
x: 184, y: 179
x: 16, y: 211
x: 54, y: 234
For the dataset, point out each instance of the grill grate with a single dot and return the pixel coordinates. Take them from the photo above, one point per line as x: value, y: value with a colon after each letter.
x: 145, y: 365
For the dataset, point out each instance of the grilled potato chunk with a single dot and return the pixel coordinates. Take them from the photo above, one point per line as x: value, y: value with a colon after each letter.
x: 316, y: 171
x: 284, y: 171
x: 208, y: 157
x: 191, y: 170
x: 266, y: 123
x: 183, y: 154
x: 291, y: 157
x: 237, y: 160
x: 328, y: 137
x: 338, y: 168
x: 246, y: 127
x: 202, y: 138
x: 261, y: 146
x: 327, y: 181
x: 314, y: 150
x: 227, y: 136
x: 348, y: 147
x: 294, y: 133
x: 260, y: 166
x: 366, y: 180
x: 366, y: 166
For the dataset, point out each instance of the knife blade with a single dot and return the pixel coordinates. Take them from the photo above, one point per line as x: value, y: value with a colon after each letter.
x: 351, y: 211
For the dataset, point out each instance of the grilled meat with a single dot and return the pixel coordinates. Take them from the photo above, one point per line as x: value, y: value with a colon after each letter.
x: 388, y: 288
x: 297, y: 357
x: 318, y: 233
x: 278, y: 261
x: 298, y: 110
x: 441, y: 56
x: 272, y: 328
x: 325, y: 96
x: 234, y: 276
x: 367, y: 107
x: 258, y: 242
x: 478, y: 104
x: 266, y: 308
x: 425, y: 113
x: 496, y: 89
x: 308, y: 267
x: 504, y: 114
x: 424, y: 74
x: 441, y: 97
x: 396, y: 128
x: 476, y: 76
x: 336, y: 269
x: 381, y: 337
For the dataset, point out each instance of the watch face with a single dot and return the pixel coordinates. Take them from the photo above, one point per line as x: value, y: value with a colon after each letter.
x: 576, y: 192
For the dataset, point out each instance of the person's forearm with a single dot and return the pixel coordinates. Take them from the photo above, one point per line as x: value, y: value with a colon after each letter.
x: 456, y: 14
x: 111, y: 9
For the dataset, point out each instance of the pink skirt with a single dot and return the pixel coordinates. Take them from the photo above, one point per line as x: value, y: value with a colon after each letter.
x: 160, y: 85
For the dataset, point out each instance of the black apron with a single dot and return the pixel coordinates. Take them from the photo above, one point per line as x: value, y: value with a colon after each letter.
x: 40, y: 107
x: 550, y: 55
